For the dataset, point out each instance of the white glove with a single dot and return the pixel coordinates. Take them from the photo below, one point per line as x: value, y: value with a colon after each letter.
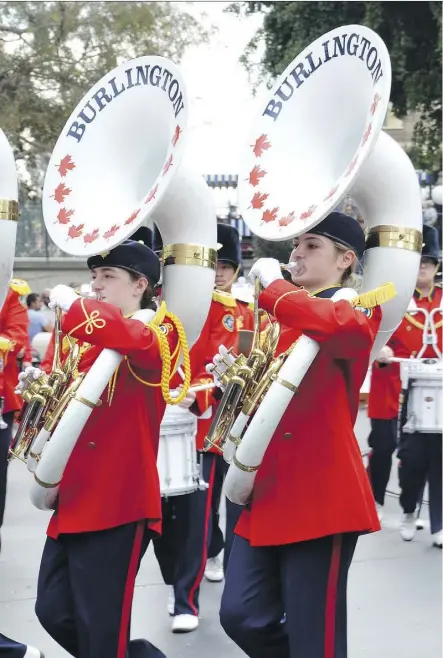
x: 25, y: 378
x: 266, y: 270
x: 220, y: 363
x: 63, y: 297
x: 188, y: 400
x: 385, y: 355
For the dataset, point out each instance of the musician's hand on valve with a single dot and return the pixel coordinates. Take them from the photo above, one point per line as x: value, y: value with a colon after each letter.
x: 266, y: 270
x: 220, y: 363
x: 386, y: 354
x: 63, y: 297
x: 25, y: 378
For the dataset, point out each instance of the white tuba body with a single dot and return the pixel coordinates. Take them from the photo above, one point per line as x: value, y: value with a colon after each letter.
x: 8, y: 213
x: 117, y: 162
x: 317, y: 138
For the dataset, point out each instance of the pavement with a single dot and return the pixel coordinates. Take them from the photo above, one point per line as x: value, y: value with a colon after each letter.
x: 394, y: 601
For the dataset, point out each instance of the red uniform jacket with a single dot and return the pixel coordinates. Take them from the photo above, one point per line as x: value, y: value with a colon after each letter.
x: 226, y: 317
x: 111, y: 477
x: 312, y: 482
x: 384, y: 395
x: 46, y: 362
x: 14, y: 324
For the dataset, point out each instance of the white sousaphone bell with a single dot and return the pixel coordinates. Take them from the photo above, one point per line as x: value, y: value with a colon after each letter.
x: 8, y: 213
x: 118, y: 161
x: 317, y: 138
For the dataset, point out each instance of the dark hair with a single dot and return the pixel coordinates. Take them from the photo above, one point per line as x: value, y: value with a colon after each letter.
x: 31, y: 298
x: 147, y: 300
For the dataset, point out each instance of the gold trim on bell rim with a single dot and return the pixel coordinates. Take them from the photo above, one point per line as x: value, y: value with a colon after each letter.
x: 9, y: 209
x: 189, y: 254
x: 400, y: 237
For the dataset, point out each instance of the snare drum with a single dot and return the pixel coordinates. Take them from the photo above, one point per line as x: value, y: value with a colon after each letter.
x: 177, y: 454
x: 424, y: 399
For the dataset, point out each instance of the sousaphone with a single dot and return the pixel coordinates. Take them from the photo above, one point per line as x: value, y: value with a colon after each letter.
x: 118, y: 161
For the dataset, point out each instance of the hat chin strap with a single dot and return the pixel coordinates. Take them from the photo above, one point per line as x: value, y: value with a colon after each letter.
x: 232, y: 280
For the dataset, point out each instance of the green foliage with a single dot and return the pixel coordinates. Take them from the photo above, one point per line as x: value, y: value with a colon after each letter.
x: 51, y: 53
x: 412, y: 32
x: 266, y: 248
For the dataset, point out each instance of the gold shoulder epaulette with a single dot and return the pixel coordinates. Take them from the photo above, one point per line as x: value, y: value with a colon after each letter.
x: 5, y: 344
x: 375, y: 297
x: 224, y: 298
x: 19, y: 286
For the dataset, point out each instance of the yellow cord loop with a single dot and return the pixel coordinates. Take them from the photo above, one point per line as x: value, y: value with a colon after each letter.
x: 168, y: 370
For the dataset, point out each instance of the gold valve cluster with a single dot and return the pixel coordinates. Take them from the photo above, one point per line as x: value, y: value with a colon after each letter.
x: 247, y: 379
x: 46, y: 398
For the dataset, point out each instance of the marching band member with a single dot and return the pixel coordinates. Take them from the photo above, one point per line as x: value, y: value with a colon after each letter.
x: 191, y: 520
x: 383, y: 406
x: 13, y: 338
x: 109, y: 500
x: 295, y: 541
x: 11, y: 649
x: 420, y: 454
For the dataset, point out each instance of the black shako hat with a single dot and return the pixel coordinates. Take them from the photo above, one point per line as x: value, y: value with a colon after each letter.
x: 132, y: 256
x: 157, y: 240
x: 143, y: 234
x: 342, y: 229
x: 430, y: 246
x: 230, y: 250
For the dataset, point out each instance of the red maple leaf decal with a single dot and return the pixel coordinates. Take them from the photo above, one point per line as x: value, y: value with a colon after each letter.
x: 168, y: 165
x: 287, y: 219
x: 132, y: 217
x: 112, y: 231
x: 152, y: 194
x: 270, y: 215
x: 258, y: 200
x: 375, y: 102
x: 76, y: 231
x: 261, y: 144
x: 366, y: 134
x: 331, y: 193
x: 351, y: 167
x: 60, y: 192
x: 66, y: 164
x: 310, y: 211
x: 90, y: 237
x: 255, y: 175
x: 64, y: 216
x: 177, y: 134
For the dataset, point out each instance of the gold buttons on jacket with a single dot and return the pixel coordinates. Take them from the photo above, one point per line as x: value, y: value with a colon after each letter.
x: 91, y: 445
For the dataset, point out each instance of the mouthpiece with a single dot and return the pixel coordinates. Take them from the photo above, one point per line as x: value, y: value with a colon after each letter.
x: 88, y: 294
x: 293, y: 267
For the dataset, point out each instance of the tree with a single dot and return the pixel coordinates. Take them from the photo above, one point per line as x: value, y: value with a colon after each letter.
x: 51, y: 53
x: 412, y: 32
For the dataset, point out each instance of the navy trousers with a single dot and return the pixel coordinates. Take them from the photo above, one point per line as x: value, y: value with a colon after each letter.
x: 188, y: 527
x: 383, y: 442
x: 5, y: 442
x: 289, y: 601
x: 11, y: 649
x: 85, y: 590
x: 420, y: 459
x: 217, y: 541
